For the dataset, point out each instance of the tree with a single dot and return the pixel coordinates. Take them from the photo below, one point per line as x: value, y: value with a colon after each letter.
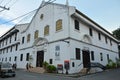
x: 116, y: 33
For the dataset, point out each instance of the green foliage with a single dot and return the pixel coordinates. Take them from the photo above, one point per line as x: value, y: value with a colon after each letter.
x: 116, y: 33
x: 49, y: 68
x: 118, y: 62
x: 45, y: 64
x: 111, y: 64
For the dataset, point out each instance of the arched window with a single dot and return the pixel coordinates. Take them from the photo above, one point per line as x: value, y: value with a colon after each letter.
x: 58, y: 25
x: 36, y: 34
x: 46, y: 30
x: 28, y: 38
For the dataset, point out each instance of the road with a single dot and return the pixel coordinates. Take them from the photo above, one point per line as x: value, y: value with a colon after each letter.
x: 24, y: 75
x: 107, y: 75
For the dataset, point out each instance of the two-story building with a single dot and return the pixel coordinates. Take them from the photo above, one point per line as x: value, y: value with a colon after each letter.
x: 58, y: 34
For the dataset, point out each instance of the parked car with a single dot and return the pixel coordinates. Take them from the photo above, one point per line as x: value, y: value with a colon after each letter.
x: 6, y: 70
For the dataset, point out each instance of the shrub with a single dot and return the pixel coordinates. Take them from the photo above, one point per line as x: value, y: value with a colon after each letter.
x: 118, y: 62
x: 111, y: 64
x: 45, y: 64
x: 51, y: 68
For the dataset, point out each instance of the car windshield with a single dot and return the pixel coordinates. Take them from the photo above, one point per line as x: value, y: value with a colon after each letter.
x: 6, y: 65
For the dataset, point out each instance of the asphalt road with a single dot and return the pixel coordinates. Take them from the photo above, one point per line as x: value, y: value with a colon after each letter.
x: 23, y: 75
x: 107, y: 75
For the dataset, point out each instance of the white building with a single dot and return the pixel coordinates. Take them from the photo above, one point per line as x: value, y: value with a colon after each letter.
x: 57, y: 34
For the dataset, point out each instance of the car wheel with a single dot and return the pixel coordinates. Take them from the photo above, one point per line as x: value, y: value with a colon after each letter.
x: 13, y: 75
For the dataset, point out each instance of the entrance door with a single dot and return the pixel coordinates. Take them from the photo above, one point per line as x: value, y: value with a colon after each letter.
x: 40, y: 59
x: 86, y: 59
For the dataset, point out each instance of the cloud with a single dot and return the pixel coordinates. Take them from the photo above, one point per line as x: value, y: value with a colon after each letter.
x: 4, y: 21
x: 4, y: 29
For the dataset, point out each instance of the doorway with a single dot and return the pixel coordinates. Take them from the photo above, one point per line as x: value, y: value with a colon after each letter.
x: 40, y: 59
x: 86, y: 58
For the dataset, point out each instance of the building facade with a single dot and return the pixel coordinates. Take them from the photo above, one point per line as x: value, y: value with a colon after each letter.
x: 58, y: 34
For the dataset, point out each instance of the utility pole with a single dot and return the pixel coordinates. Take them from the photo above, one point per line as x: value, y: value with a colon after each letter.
x: 4, y: 8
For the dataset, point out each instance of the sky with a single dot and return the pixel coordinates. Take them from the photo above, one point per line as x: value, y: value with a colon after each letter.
x: 104, y: 12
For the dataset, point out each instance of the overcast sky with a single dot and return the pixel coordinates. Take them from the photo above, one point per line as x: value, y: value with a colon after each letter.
x: 104, y: 12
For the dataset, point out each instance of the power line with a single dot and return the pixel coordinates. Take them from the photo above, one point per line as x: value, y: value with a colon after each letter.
x: 24, y: 14
x: 17, y: 17
x: 13, y: 3
x: 8, y: 2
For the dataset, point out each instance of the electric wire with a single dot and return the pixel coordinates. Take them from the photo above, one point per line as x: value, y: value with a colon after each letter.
x: 7, y: 2
x: 17, y: 17
x: 15, y: 1
x: 24, y: 14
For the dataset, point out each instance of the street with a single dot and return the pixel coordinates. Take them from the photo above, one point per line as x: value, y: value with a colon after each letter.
x: 24, y: 75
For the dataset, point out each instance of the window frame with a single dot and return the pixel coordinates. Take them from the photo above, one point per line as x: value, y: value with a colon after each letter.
x: 21, y: 57
x: 99, y: 35
x: 76, y: 25
x: 77, y: 54
x: 101, y: 56
x: 92, y: 56
x: 27, y: 56
x: 28, y: 37
x: 36, y: 34
x: 90, y: 31
x: 59, y: 25
x: 46, y: 30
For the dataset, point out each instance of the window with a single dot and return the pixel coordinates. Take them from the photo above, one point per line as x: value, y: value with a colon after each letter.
x: 92, y: 55
x: 2, y: 59
x: 101, y: 56
x: 11, y: 49
x: 58, y: 25
x: 106, y: 40
x: 28, y: 38
x: 73, y: 64
x: 23, y: 38
x: 7, y: 50
x: 99, y: 36
x: 36, y: 34
x: 21, y: 57
x: 15, y: 59
x: 51, y: 61
x: 10, y: 39
x: 6, y: 59
x: 76, y: 24
x: 3, y: 43
x: 3, y: 51
x: 90, y: 32
x: 6, y: 41
x: 27, y: 57
x: 15, y: 36
x: 110, y: 42
x: 46, y: 30
x: 108, y: 58
x: 41, y: 16
x: 78, y: 54
x: 16, y: 47
x: 9, y: 58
